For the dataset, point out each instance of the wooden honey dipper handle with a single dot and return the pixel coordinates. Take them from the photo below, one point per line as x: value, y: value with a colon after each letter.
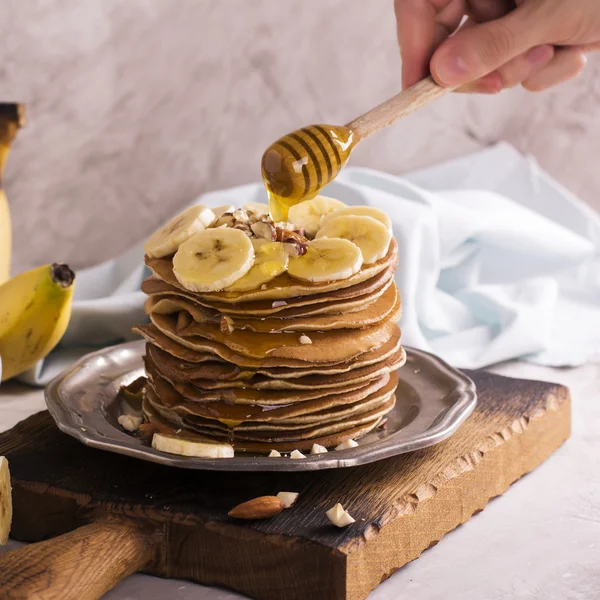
x: 399, y: 106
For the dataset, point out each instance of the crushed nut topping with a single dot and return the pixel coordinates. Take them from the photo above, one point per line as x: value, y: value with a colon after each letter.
x: 226, y: 324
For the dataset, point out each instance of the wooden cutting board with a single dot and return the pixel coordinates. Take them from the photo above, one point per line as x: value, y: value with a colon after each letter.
x: 125, y: 515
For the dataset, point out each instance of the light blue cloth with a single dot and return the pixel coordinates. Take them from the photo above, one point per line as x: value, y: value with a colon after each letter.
x: 497, y: 261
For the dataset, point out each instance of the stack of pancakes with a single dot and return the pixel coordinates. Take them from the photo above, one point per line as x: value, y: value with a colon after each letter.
x: 282, y: 367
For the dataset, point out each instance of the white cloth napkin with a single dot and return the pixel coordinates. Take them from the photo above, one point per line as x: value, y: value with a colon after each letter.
x: 497, y: 261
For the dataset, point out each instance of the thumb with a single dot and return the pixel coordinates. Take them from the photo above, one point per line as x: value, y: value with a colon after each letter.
x: 476, y: 51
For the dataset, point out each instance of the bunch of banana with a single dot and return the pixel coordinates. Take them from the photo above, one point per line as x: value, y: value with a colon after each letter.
x: 35, y: 308
x: 12, y: 117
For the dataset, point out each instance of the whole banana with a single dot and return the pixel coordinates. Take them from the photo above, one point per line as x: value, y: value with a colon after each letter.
x: 12, y: 117
x: 35, y: 308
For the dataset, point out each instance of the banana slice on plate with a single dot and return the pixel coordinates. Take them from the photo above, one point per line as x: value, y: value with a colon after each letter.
x: 175, y: 445
x: 308, y: 214
x: 270, y: 260
x: 169, y: 237
x: 213, y: 259
x: 327, y: 260
x: 359, y: 211
x: 372, y: 237
x: 258, y: 208
x: 5, y: 501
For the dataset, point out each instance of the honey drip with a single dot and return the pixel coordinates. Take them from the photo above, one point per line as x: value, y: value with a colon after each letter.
x: 298, y: 165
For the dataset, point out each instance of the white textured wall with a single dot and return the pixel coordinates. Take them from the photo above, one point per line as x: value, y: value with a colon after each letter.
x: 135, y: 106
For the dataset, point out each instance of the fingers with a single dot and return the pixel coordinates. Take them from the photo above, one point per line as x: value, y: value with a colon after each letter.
x: 422, y: 25
x: 566, y: 64
x: 514, y: 72
x: 476, y: 51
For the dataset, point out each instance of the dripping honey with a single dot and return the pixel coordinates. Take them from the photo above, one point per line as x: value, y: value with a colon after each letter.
x: 298, y: 165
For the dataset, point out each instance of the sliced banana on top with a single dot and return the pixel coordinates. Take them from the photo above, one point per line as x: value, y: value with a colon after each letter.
x: 327, y: 260
x: 372, y: 237
x: 175, y: 445
x: 360, y: 211
x: 308, y: 214
x: 270, y: 260
x: 213, y: 259
x: 258, y: 208
x: 169, y: 237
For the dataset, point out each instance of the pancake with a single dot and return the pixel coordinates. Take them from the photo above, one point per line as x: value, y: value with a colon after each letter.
x: 232, y: 415
x: 271, y: 367
x: 255, y: 349
x: 155, y: 423
x: 283, y: 286
x: 386, y: 306
x: 350, y: 298
x: 172, y: 370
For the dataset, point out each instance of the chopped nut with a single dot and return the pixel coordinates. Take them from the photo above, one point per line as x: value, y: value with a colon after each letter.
x: 288, y: 498
x: 294, y: 249
x: 219, y: 211
x: 226, y: 324
x: 274, y: 454
x: 225, y: 220
x: 262, y: 507
x: 245, y: 228
x: 318, y: 449
x: 240, y: 215
x: 304, y: 339
x: 297, y: 454
x: 339, y: 517
x: 264, y: 230
x: 279, y: 303
x: 130, y: 422
x: 347, y: 444
x: 263, y: 286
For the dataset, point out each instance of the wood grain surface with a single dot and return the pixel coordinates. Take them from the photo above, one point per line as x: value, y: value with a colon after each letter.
x: 401, y: 505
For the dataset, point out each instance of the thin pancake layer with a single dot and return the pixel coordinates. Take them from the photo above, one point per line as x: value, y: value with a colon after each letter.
x: 248, y: 349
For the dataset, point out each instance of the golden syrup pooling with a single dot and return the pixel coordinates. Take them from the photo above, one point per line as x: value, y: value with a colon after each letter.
x: 298, y: 165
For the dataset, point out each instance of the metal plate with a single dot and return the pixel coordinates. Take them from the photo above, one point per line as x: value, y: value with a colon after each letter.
x: 433, y: 399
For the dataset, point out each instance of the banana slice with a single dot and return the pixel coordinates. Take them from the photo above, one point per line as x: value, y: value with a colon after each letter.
x: 258, y: 208
x: 5, y: 501
x: 213, y: 259
x: 174, y: 445
x: 308, y: 214
x: 359, y: 211
x: 372, y: 237
x: 169, y: 237
x: 270, y: 260
x: 327, y: 260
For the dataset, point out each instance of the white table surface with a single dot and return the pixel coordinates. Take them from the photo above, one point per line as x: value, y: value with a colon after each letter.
x: 539, y: 541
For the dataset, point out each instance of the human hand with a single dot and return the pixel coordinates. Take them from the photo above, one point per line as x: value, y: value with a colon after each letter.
x: 536, y: 43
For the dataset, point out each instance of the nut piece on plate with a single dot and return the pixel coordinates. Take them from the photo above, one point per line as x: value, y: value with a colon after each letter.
x: 288, y: 498
x: 130, y: 423
x: 175, y: 445
x: 339, y: 517
x: 318, y: 449
x: 297, y: 454
x: 263, y: 507
x: 346, y: 445
x: 274, y: 454
x: 5, y: 501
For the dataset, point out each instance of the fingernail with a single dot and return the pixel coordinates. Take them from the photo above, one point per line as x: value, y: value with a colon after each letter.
x: 451, y: 69
x: 540, y: 55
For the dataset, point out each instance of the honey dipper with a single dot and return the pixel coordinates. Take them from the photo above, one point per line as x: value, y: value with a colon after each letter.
x: 298, y: 165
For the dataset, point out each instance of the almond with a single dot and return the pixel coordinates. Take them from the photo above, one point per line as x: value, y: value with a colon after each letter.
x: 263, y: 507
